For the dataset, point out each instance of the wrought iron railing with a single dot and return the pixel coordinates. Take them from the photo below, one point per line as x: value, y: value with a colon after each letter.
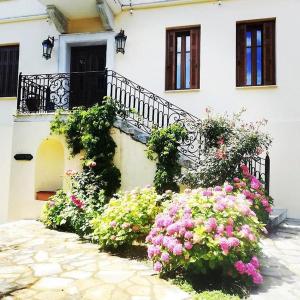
x: 144, y: 109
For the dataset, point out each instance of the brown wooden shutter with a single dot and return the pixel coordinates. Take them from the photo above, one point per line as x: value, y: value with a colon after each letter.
x: 269, y: 59
x: 170, y: 60
x: 241, y: 54
x: 195, y: 58
x: 9, y: 63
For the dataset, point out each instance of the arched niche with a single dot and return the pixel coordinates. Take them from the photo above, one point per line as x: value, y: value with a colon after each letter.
x: 49, y: 169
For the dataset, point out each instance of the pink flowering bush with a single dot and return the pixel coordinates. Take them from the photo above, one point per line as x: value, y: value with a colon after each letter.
x: 126, y: 218
x: 207, y: 229
x: 255, y: 193
x: 227, y: 142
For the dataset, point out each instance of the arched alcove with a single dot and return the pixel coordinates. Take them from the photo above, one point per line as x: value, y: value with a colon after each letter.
x: 49, y: 169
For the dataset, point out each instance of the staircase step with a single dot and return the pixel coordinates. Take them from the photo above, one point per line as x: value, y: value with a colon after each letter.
x: 278, y: 216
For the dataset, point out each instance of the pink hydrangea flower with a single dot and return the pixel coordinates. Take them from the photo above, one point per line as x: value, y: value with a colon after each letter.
x: 165, y: 257
x: 257, y: 278
x: 188, y: 245
x: 233, y: 242
x: 229, y: 230
x: 178, y: 250
x: 158, y: 240
x: 218, y: 189
x: 157, y: 266
x: 182, y: 231
x: 250, y: 269
x: 210, y: 224
x: 224, y: 245
x: 220, y: 229
x: 188, y: 223
x: 172, y: 229
x: 255, y: 262
x: 188, y: 235
x: 240, y: 267
x: 207, y: 193
x: 228, y: 188
x: 255, y: 183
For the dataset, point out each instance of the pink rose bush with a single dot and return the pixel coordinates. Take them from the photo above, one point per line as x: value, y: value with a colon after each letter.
x: 207, y: 229
x: 254, y: 192
x: 126, y: 218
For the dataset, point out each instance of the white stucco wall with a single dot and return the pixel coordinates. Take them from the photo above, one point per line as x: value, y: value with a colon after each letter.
x: 136, y: 169
x: 144, y: 62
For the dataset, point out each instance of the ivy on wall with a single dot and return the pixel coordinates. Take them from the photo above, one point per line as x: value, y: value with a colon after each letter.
x: 89, y: 130
x: 163, y: 147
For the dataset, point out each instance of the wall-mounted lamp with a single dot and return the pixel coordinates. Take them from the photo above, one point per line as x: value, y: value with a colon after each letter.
x: 48, y: 46
x: 120, y: 39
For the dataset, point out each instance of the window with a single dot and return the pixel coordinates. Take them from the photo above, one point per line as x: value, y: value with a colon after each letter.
x: 9, y: 64
x: 183, y: 58
x: 255, y: 65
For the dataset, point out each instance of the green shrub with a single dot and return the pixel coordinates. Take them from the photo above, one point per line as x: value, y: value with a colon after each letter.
x: 214, y: 295
x: 52, y: 213
x: 126, y: 218
x: 73, y: 212
x: 163, y: 147
x: 89, y: 130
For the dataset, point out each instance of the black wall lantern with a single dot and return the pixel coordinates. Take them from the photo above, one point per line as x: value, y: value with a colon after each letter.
x: 120, y: 41
x: 48, y: 46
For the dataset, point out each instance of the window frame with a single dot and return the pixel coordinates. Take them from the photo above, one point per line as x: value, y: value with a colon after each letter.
x: 194, y: 34
x: 268, y: 62
x: 9, y: 87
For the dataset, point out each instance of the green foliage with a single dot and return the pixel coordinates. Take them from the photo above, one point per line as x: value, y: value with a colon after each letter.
x: 214, y: 295
x: 228, y: 142
x: 88, y: 130
x: 163, y: 147
x: 53, y: 210
x: 126, y: 218
x: 71, y: 213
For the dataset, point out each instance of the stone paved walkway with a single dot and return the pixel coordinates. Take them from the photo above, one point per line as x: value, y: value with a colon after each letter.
x: 37, y: 263
x: 281, y: 264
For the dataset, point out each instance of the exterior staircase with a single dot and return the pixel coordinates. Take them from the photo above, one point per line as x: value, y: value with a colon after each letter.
x: 43, y: 93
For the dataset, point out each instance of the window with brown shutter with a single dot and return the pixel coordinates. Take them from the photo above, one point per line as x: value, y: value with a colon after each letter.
x: 183, y: 58
x: 255, y: 53
x: 9, y: 65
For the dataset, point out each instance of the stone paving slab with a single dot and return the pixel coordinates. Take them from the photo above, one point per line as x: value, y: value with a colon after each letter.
x: 38, y: 263
x: 281, y: 264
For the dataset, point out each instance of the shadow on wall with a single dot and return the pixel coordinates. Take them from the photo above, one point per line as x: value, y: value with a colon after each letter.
x: 49, y: 169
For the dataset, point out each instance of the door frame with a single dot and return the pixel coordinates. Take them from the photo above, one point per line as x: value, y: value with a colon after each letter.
x: 67, y: 41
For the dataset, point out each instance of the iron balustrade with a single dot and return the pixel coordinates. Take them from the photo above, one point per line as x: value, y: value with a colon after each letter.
x: 145, y: 110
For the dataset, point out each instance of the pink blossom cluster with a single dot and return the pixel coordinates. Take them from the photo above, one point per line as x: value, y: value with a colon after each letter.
x: 79, y: 203
x: 171, y: 234
x: 207, y: 218
x: 254, y: 191
x: 251, y: 269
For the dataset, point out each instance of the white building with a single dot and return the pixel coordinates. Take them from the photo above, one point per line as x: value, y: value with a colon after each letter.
x: 195, y: 53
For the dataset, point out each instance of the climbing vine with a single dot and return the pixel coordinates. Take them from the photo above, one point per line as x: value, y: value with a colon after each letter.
x: 163, y: 147
x: 89, y: 130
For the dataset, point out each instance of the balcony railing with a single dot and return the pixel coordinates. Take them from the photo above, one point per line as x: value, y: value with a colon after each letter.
x: 48, y: 92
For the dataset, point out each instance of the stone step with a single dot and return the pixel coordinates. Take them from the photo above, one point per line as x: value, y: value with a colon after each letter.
x: 278, y: 216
